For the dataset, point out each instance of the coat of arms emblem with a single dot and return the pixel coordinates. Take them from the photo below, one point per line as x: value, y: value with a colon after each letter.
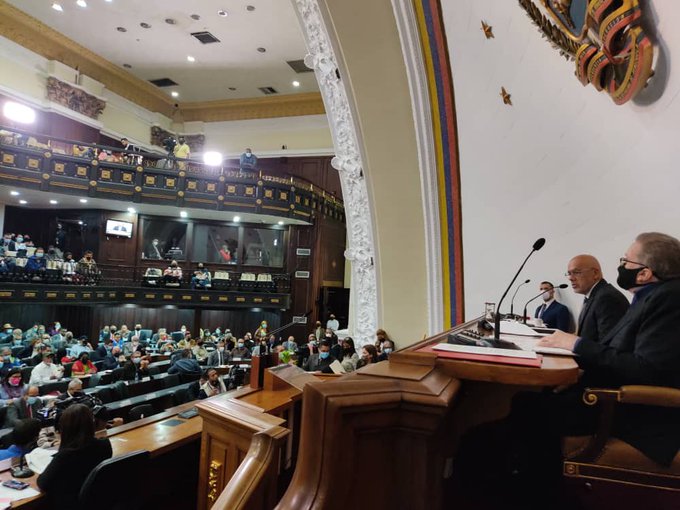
x: 604, y: 38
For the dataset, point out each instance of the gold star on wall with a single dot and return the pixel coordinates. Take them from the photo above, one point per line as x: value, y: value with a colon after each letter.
x: 488, y: 30
x: 506, y: 97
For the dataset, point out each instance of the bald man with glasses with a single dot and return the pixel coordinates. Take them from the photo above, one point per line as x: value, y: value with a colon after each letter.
x: 603, y: 304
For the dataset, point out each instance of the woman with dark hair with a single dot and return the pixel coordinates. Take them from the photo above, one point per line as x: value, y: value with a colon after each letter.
x: 380, y: 336
x: 12, y: 386
x: 350, y: 358
x: 83, y: 366
x: 369, y: 354
x: 79, y: 453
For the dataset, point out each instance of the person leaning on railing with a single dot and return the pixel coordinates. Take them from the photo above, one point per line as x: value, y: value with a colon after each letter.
x: 87, y: 268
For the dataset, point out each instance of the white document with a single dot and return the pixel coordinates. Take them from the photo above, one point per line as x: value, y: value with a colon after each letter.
x: 39, y: 458
x: 516, y: 328
x: 485, y: 351
x: 337, y: 368
x: 530, y: 344
x: 15, y: 495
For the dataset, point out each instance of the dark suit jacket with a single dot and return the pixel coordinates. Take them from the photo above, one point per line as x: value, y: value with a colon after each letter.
x: 643, y: 349
x: 604, y: 308
x: 556, y: 316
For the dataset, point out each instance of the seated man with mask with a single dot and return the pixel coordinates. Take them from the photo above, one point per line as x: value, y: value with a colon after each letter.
x: 642, y: 349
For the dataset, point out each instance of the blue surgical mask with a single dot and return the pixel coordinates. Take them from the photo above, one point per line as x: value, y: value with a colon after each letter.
x: 20, y: 239
x: 387, y: 350
x: 136, y: 361
x: 31, y: 400
x: 39, y: 254
x: 324, y: 355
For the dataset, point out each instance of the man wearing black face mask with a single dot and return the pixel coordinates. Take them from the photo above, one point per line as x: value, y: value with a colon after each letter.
x: 642, y: 349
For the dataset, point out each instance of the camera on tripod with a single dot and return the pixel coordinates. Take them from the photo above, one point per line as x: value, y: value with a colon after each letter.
x: 169, y: 144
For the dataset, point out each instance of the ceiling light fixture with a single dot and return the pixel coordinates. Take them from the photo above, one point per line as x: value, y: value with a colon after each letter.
x: 183, y: 214
x: 121, y: 29
x: 232, y: 89
x: 14, y: 193
x: 83, y: 200
x: 212, y: 158
x: 144, y: 24
x: 296, y: 83
x: 237, y: 219
x: 195, y: 17
x: 18, y: 112
x: 222, y: 13
x: 57, y: 7
x: 250, y: 8
x: 280, y: 223
x: 23, y: 202
x: 191, y: 59
x: 174, y: 93
x: 131, y: 210
x: 170, y: 21
x: 262, y: 50
x: 81, y: 3
x: 53, y: 202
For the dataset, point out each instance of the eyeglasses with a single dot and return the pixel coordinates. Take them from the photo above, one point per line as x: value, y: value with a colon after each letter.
x: 576, y: 272
x: 624, y: 260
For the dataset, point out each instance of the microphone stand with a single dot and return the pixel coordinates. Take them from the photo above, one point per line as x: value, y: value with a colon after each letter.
x: 497, y: 322
x: 512, y: 301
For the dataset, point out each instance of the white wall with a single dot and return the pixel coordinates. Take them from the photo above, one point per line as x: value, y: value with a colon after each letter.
x: 564, y: 162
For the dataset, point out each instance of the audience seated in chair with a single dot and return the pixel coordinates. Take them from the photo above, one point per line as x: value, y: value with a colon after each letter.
x: 212, y: 386
x: 46, y: 370
x: 136, y: 367
x: 172, y: 276
x: 83, y: 366
x: 201, y: 278
x: 185, y: 364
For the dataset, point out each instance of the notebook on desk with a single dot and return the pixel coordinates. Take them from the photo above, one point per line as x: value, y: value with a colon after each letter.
x: 450, y: 351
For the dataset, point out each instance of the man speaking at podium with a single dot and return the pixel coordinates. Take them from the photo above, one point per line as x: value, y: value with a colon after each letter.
x: 521, y: 454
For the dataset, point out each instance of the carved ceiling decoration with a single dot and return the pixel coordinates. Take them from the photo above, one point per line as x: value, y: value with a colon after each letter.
x: 35, y: 36
x: 74, y: 98
x: 604, y: 37
x: 195, y: 142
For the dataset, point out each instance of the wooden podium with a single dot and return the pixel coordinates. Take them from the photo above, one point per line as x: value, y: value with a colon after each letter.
x: 393, y: 424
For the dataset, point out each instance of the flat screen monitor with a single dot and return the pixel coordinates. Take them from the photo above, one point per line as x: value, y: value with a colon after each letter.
x: 118, y: 228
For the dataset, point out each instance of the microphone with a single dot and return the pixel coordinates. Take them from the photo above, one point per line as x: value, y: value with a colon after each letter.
x: 512, y: 301
x: 562, y: 286
x: 497, y: 322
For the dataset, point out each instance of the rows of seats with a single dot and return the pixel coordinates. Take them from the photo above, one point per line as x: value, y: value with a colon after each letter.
x: 220, y: 280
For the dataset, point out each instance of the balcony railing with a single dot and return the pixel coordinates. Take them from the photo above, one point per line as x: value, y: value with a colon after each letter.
x: 57, y: 165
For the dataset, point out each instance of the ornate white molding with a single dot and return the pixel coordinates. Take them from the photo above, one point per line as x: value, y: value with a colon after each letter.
x: 347, y: 160
x: 422, y: 118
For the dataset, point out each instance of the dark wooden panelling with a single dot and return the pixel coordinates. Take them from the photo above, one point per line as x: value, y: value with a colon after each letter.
x: 118, y: 250
x: 171, y: 318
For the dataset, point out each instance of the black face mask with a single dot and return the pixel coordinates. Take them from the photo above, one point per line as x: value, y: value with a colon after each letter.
x: 626, y: 278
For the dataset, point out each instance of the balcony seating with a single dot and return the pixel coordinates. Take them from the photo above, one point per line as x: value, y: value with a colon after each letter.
x: 152, y: 277
x: 265, y: 283
x: 221, y: 280
x: 247, y: 282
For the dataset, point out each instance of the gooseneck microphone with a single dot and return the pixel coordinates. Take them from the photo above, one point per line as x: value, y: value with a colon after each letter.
x: 562, y: 286
x: 497, y: 322
x: 512, y: 301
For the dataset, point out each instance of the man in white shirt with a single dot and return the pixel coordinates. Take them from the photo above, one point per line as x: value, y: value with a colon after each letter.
x: 332, y: 323
x: 46, y: 370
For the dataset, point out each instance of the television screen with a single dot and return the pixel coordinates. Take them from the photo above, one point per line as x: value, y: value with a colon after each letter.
x: 118, y: 228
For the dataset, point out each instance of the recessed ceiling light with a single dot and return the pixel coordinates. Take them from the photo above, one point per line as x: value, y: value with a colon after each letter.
x: 121, y: 29
x: 232, y: 88
x: 296, y: 83
x: 262, y: 50
x: 109, y: 1
x: 127, y: 66
x: 195, y: 17
x: 222, y: 13
x: 80, y: 222
x: 131, y: 210
x: 143, y: 24
x: 250, y: 8
x: 191, y: 59
x: 81, y: 3
x: 174, y: 93
x: 237, y: 219
x: 183, y: 214
x: 280, y: 223
x: 212, y: 158
x: 53, y: 202
x: 23, y: 202
x: 170, y: 21
x: 83, y: 200
x: 14, y: 193
x: 57, y: 7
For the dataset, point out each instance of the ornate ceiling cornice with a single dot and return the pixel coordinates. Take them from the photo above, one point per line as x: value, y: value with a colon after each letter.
x: 254, y: 108
x: 35, y: 36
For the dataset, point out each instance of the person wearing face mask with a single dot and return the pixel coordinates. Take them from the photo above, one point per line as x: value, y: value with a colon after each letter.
x: 262, y: 348
x: 553, y: 314
x: 36, y: 264
x: 201, y: 278
x: 172, y: 274
x: 240, y: 351
x: 248, y: 161
x: 20, y: 246
x: 220, y: 356
x: 28, y: 406
x: 87, y: 268
x: 154, y: 251
x: 83, y: 366
x: 199, y: 351
x: 17, y: 337
x: 181, y: 151
x: 261, y: 331
x: 136, y: 367
x: 73, y: 390
x: 12, y: 386
x: 111, y: 360
x: 320, y: 361
x: 641, y: 349
x: 388, y: 348
x: 132, y: 346
x: 6, y: 334
x: 8, y: 361
x: 350, y: 358
x: 68, y: 267
x: 46, y: 370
